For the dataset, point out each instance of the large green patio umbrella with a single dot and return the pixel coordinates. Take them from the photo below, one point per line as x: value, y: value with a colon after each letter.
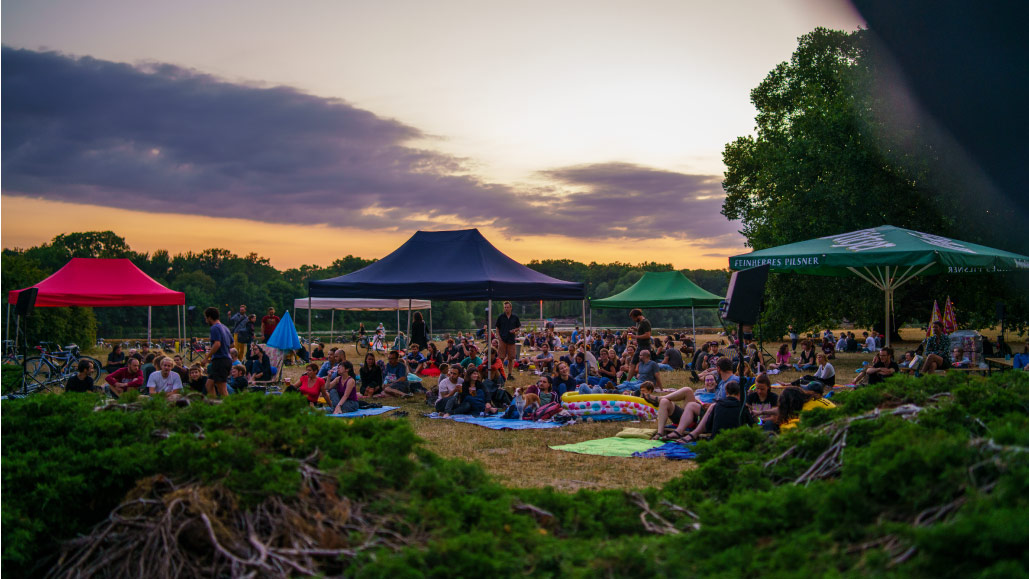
x: 886, y: 257
x: 662, y: 289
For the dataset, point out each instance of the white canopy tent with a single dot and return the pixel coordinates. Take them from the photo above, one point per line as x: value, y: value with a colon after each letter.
x: 363, y: 305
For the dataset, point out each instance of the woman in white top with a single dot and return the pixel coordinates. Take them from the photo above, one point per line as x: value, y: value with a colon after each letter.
x: 825, y: 374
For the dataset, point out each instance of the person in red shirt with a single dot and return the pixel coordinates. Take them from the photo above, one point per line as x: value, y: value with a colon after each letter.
x: 312, y: 386
x: 268, y: 324
x: 126, y: 378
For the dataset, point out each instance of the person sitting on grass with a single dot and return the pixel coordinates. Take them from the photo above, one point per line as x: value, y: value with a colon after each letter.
x: 164, y: 380
x: 829, y: 348
x: 807, y: 357
x: 371, y: 377
x: 544, y: 388
x: 82, y: 380
x: 329, y: 363
x: 761, y: 400
x: 197, y: 379
x: 496, y: 373
x: 148, y: 366
x: 414, y: 358
x: 433, y: 360
x: 646, y: 371
x: 960, y: 359
x: 395, y: 376
x: 606, y: 367
x: 569, y: 358
x: 343, y: 390
x: 911, y: 362
x: 729, y: 412
x: 683, y: 418
x: 782, y: 359
x: 237, y: 383
x: 882, y: 367
x: 672, y: 358
x: 937, y: 350
x: 725, y: 377
x: 115, y: 360
x: 400, y: 342
x: 124, y: 379
x: 312, y: 386
x: 452, y: 354
x: 841, y: 344
x: 473, y: 358
x: 791, y: 404
x: 319, y: 352
x: 260, y: 367
x: 544, y: 361
x: 563, y: 381
x: 471, y: 397
x: 447, y: 390
x: 825, y: 373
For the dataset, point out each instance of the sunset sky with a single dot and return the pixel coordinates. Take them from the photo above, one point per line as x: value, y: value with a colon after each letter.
x: 308, y: 131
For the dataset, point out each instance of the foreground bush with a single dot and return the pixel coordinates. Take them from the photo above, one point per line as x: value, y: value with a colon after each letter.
x: 934, y: 482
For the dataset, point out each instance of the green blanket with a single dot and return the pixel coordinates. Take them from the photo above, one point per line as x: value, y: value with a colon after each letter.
x: 613, y: 446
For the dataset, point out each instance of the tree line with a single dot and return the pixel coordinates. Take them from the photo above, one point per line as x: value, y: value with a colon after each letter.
x: 220, y: 278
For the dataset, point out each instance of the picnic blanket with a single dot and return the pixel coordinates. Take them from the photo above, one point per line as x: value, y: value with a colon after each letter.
x: 704, y: 396
x: 614, y: 446
x: 365, y: 412
x: 496, y: 423
x: 669, y: 450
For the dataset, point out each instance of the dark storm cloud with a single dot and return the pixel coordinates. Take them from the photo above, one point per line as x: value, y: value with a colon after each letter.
x: 632, y: 201
x: 157, y: 137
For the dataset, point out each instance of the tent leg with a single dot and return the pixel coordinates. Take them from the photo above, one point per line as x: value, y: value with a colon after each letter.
x: 409, y: 318
x: 309, y: 318
x: 693, y: 312
x: 149, y: 320
x: 178, y: 322
x: 430, y: 323
x: 398, y: 321
x: 8, y: 338
x: 584, y: 316
x: 332, y: 323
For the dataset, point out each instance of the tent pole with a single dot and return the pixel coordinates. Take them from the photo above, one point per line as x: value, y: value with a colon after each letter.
x: 430, y: 322
x: 332, y: 323
x: 308, y: 318
x: 693, y: 312
x: 398, y: 319
x: 149, y: 319
x: 178, y: 323
x: 408, y: 317
x: 584, y: 316
x: 489, y: 341
x: 889, y: 298
x: 8, y: 338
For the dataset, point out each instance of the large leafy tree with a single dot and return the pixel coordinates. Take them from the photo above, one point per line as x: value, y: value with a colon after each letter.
x: 828, y: 157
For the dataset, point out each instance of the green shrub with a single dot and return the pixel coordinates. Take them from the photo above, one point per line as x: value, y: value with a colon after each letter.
x: 65, y: 466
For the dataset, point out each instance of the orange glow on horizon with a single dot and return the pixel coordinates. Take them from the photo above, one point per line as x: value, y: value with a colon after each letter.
x: 288, y: 246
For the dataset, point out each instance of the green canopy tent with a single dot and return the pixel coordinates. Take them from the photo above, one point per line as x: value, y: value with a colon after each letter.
x: 662, y: 289
x: 886, y: 257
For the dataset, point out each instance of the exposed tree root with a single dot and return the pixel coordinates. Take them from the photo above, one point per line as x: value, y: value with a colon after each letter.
x: 166, y: 529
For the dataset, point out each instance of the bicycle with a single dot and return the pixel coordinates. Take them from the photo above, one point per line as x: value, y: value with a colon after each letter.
x: 48, y: 371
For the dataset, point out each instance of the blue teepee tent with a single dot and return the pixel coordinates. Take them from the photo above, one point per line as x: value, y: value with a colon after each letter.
x: 285, y: 335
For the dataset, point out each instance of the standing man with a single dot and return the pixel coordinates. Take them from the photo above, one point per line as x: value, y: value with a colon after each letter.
x: 508, y: 326
x: 642, y: 332
x: 269, y: 323
x: 239, y: 326
x: 218, y: 354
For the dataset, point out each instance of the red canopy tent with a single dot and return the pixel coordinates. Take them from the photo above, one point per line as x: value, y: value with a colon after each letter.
x: 103, y: 283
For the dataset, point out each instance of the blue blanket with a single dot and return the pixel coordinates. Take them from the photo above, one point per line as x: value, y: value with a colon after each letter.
x: 607, y: 417
x: 495, y: 423
x: 669, y: 450
x: 365, y: 412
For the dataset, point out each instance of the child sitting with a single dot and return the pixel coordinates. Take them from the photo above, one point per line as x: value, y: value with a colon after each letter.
x: 237, y: 382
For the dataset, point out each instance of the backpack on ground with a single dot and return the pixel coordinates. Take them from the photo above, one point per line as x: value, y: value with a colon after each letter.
x: 546, y: 412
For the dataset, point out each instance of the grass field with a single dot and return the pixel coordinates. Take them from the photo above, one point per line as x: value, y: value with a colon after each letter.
x: 523, y: 458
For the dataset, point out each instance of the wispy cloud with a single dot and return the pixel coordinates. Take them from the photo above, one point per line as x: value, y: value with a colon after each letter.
x: 160, y: 138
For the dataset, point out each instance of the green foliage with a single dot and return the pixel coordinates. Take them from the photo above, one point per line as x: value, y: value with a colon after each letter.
x: 65, y: 466
x: 832, y: 155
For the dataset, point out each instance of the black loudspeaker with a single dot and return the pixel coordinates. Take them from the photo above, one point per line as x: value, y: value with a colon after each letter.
x: 1000, y: 310
x: 26, y: 301
x: 191, y: 313
x: 746, y: 290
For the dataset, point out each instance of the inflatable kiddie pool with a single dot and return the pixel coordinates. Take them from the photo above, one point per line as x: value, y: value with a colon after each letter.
x: 597, y: 404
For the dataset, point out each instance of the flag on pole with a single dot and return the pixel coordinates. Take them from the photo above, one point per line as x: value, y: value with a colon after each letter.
x: 950, y: 321
x: 935, y: 318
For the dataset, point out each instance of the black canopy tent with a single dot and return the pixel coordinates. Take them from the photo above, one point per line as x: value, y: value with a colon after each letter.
x: 464, y: 266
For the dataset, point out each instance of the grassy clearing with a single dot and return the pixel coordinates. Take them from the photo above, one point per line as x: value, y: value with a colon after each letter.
x: 524, y: 459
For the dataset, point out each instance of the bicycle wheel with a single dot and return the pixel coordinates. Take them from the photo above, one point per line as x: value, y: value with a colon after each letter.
x: 98, y: 370
x: 39, y: 375
x: 362, y: 347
